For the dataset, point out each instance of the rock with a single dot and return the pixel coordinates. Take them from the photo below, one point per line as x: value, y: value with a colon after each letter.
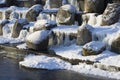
x: 93, y: 48
x: 10, y: 2
x: 44, y: 24
x: 2, y: 23
x: 38, y: 40
x: 115, y: 45
x: 111, y: 14
x: 94, y: 6
x: 25, y: 3
x: 18, y: 26
x: 33, y: 12
x: 14, y: 15
x: 66, y: 15
x: 84, y: 34
x: 53, y: 4
x: 1, y: 15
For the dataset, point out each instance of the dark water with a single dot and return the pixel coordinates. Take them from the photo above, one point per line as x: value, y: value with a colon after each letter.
x: 10, y: 70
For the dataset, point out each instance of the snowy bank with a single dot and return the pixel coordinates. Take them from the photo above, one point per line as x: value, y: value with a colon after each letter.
x: 51, y: 63
x: 44, y: 62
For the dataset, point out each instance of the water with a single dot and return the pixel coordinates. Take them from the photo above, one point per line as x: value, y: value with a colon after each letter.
x: 10, y: 70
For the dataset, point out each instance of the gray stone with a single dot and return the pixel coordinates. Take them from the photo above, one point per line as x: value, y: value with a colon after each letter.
x: 66, y: 15
x: 84, y: 34
x: 93, y: 48
x: 94, y: 6
x: 111, y: 14
x: 33, y: 12
x: 115, y: 46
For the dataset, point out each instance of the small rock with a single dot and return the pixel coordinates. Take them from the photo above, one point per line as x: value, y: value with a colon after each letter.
x: 93, y: 48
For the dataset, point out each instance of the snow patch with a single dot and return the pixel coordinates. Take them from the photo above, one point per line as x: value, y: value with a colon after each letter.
x: 44, y: 62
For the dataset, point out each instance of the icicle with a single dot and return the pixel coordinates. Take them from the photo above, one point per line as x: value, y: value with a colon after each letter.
x: 53, y: 17
x: 47, y: 4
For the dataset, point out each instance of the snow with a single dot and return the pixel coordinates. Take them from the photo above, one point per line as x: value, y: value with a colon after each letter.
x: 44, y: 62
x: 89, y: 69
x: 22, y: 46
x: 75, y: 52
x: 94, y: 45
x: 38, y: 36
x: 51, y: 63
x: 6, y: 40
x: 66, y: 29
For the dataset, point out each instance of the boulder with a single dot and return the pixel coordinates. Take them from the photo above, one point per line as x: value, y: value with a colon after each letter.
x: 93, y: 48
x: 38, y: 40
x: 44, y: 25
x: 18, y: 26
x: 84, y: 34
x: 66, y: 15
x: 115, y: 45
x: 94, y: 6
x: 2, y: 23
x: 33, y: 12
x: 53, y: 4
x: 111, y: 14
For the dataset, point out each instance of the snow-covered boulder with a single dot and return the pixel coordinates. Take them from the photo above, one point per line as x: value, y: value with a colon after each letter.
x: 33, y: 12
x: 115, y: 45
x: 66, y: 15
x: 44, y: 24
x: 84, y: 34
x: 93, y: 48
x: 53, y: 4
x: 111, y: 14
x: 38, y: 40
x: 94, y: 6
x: 18, y: 26
x: 2, y: 23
